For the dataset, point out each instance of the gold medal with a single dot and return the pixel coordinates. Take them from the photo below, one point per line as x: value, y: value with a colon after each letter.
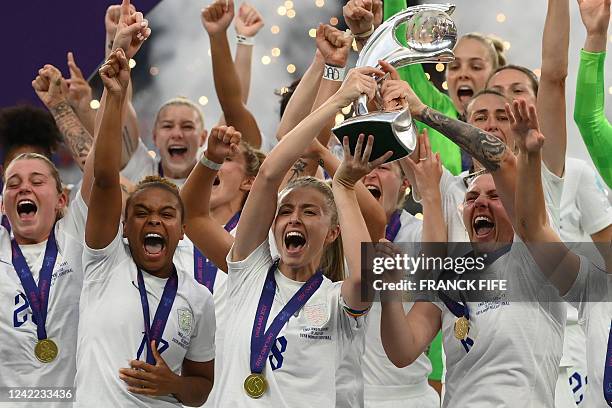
x: 462, y: 327
x: 46, y: 350
x: 255, y: 385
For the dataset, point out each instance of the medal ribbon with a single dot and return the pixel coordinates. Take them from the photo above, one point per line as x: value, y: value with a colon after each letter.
x: 5, y: 223
x: 607, y: 378
x: 204, y: 270
x: 262, y: 342
x: 160, y: 170
x: 38, y: 296
x: 155, y: 331
x: 393, y: 226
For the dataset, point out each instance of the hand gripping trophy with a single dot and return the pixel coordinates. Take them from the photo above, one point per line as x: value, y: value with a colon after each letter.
x: 430, y: 36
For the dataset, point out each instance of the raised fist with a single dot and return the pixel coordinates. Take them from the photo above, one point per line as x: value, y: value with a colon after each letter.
x: 222, y: 142
x: 361, y: 15
x: 333, y: 44
x: 115, y: 73
x: 218, y: 16
x: 50, y: 86
x: 248, y: 21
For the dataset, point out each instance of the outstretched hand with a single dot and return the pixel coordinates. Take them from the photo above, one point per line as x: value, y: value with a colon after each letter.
x: 115, y: 73
x: 525, y: 127
x: 354, y: 168
x: 333, y: 44
x: 132, y: 30
x: 249, y: 21
x: 50, y: 86
x: 223, y: 141
x: 595, y: 16
x: 217, y: 17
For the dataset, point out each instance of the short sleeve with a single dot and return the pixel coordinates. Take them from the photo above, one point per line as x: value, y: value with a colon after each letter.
x: 241, y: 272
x: 98, y: 263
x: 553, y: 190
x: 590, y: 286
x: 595, y: 209
x: 202, y: 345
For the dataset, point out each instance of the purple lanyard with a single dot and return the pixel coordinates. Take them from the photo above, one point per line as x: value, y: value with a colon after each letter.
x: 262, y: 342
x: 155, y: 331
x: 204, y: 270
x: 6, y: 223
x: 38, y: 296
x: 393, y: 226
x: 160, y: 170
x: 607, y: 380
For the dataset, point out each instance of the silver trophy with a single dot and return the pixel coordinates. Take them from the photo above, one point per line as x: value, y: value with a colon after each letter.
x: 430, y: 36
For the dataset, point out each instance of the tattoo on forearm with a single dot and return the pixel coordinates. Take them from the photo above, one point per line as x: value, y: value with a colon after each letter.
x: 483, y: 146
x: 75, y: 135
x: 298, y: 169
x: 110, y: 44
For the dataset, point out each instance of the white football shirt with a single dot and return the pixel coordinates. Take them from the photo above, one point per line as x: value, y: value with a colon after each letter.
x: 142, y: 164
x: 111, y: 329
x: 509, y: 364
x: 591, y: 294
x: 303, y: 362
x: 19, y: 366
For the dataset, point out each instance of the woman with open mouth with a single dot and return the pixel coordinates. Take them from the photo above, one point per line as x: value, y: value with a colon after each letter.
x: 290, y: 319
x: 138, y: 307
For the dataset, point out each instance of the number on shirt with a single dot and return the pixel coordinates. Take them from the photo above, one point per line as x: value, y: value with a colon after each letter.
x: 277, y: 350
x: 163, y: 343
x: 22, y: 311
x: 577, y: 385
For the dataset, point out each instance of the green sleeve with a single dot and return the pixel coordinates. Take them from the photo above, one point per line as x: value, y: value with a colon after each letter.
x: 430, y: 96
x: 589, y: 112
x: 435, y: 356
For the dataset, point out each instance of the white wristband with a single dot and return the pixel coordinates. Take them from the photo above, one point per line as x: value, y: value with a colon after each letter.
x: 365, y: 34
x: 244, y: 40
x: 206, y: 162
x: 333, y: 73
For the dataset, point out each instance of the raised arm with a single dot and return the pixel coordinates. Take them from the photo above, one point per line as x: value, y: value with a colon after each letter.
x: 79, y: 95
x: 589, y: 113
x: 104, y: 212
x: 352, y: 224
x: 52, y: 91
x: 428, y: 172
x: 216, y: 18
x: 300, y: 103
x: 531, y: 221
x: 551, y: 93
x: 203, y: 230
x: 127, y: 29
x: 248, y: 22
x: 260, y: 207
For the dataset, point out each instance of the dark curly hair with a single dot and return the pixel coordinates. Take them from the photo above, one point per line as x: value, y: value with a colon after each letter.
x: 157, y: 182
x: 26, y: 125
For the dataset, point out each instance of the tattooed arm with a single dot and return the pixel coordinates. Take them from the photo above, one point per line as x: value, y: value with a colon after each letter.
x: 75, y: 135
x: 489, y: 151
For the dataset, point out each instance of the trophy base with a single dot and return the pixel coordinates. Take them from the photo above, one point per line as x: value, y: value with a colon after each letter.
x: 392, y: 131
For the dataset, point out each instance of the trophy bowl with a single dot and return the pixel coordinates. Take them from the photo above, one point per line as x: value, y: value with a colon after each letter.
x: 430, y: 36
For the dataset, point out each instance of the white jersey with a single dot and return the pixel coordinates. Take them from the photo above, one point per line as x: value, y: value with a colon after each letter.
x: 453, y: 189
x: 591, y: 294
x: 19, y: 367
x: 383, y: 380
x: 508, y: 363
x: 303, y: 362
x: 585, y: 208
x: 111, y: 329
x: 142, y: 164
